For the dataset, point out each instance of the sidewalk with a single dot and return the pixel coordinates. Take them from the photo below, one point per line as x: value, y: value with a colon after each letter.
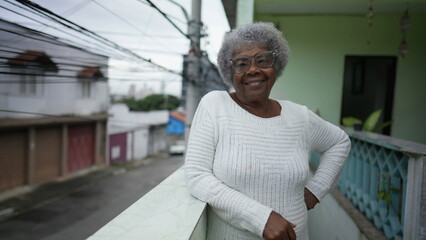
x: 58, y: 189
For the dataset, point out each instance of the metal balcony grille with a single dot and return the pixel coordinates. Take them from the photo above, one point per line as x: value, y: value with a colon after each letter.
x: 374, y: 179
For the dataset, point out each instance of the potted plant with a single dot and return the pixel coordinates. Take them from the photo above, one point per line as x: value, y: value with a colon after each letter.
x: 369, y: 125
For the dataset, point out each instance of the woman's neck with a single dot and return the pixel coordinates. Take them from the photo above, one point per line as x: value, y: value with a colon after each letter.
x: 264, y: 108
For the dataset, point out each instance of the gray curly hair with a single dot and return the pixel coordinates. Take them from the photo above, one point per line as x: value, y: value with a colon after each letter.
x: 261, y: 33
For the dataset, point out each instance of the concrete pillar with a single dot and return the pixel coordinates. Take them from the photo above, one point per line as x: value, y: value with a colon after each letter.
x: 64, y: 156
x: 31, y: 155
x: 245, y: 12
x: 415, y: 202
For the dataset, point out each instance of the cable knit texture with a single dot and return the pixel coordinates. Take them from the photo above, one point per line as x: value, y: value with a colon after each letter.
x: 246, y: 166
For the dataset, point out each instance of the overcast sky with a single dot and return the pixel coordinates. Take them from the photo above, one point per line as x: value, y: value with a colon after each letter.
x: 135, y: 25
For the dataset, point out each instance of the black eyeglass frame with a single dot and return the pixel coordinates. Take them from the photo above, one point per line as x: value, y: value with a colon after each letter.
x: 250, y: 61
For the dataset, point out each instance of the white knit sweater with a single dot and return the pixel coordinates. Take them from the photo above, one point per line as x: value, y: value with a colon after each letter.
x: 245, y: 166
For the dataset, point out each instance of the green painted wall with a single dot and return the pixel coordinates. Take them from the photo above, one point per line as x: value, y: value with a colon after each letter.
x: 319, y: 43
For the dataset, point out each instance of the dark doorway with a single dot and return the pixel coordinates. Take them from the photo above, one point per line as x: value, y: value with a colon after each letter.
x: 369, y: 84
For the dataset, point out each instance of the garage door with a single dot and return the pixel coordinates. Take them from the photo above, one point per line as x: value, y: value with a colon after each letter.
x: 48, y: 153
x: 13, y: 155
x: 81, y: 146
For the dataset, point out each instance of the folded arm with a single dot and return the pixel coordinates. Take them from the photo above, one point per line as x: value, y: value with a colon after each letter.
x: 334, y: 145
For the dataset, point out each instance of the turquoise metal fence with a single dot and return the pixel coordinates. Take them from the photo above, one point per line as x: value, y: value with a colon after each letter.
x: 374, y: 179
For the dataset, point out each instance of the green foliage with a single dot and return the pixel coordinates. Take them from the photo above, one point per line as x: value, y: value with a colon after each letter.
x: 370, y: 124
x: 350, y: 121
x: 152, y: 102
x: 386, y: 188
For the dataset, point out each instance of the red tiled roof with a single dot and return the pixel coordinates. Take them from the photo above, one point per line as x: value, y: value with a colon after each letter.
x: 90, y: 72
x: 178, y: 116
x: 30, y: 56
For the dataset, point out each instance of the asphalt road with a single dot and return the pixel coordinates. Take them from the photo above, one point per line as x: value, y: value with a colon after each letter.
x: 83, y: 212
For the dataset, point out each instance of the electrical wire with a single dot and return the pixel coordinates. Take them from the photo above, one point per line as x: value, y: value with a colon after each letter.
x: 39, y: 75
x: 97, y: 48
x: 97, y: 64
x: 53, y: 81
x: 59, y: 29
x: 78, y: 28
x: 56, y: 41
x: 45, y: 114
x: 80, y: 59
x: 130, y: 24
x: 167, y: 18
x: 137, y: 35
x: 168, y: 15
x: 76, y: 8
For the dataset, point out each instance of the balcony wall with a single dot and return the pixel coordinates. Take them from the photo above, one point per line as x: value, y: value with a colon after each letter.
x: 168, y: 211
x: 352, y: 211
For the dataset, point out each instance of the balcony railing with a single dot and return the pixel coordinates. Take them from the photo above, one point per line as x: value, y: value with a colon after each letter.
x: 168, y: 211
x: 383, y: 177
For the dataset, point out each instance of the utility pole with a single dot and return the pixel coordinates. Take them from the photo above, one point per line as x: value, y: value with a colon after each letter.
x: 194, y: 65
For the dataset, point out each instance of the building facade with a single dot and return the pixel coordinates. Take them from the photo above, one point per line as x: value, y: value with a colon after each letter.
x: 53, y: 108
x: 136, y: 135
x: 343, y: 63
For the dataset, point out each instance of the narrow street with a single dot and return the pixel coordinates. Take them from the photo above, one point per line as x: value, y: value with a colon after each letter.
x: 83, y: 212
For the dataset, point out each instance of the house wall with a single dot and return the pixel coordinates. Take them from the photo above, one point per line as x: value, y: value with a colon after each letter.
x: 319, y: 44
x: 157, y: 139
x: 140, y: 149
x: 31, y: 155
x: 146, y: 130
x: 66, y: 91
x: 130, y: 146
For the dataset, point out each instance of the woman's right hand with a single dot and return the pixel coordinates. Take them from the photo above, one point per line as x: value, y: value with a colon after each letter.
x: 278, y: 228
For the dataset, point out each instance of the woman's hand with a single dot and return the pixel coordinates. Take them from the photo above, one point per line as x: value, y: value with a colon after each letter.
x: 278, y: 228
x: 310, y: 199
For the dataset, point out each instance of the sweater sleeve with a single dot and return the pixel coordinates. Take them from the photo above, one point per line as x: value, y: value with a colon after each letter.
x: 333, y: 144
x: 231, y: 205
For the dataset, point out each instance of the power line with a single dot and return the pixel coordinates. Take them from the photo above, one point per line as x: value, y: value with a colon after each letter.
x: 44, y: 114
x: 168, y: 15
x: 156, y: 51
x: 81, y: 29
x: 79, y: 82
x: 100, y: 49
x: 43, y: 75
x: 63, y: 57
x: 74, y: 34
x: 118, y: 16
x: 80, y: 59
x: 137, y: 35
x: 128, y: 23
x: 167, y: 18
x: 55, y: 42
x: 76, y: 8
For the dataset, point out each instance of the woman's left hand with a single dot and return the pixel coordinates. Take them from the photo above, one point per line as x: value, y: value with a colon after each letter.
x: 310, y: 199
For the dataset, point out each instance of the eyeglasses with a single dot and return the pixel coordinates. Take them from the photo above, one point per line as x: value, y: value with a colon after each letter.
x: 262, y: 60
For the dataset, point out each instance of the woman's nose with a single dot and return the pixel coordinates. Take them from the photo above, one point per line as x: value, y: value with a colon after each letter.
x: 253, y: 68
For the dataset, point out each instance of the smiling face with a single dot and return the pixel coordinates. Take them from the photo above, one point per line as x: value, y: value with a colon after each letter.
x: 256, y: 83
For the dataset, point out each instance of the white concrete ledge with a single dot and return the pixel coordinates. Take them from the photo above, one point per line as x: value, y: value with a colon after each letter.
x: 168, y: 211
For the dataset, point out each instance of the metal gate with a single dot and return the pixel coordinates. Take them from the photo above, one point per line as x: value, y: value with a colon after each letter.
x: 81, y: 146
x: 13, y: 155
x: 48, y: 152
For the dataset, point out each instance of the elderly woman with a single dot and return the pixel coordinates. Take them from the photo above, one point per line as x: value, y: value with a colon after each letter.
x: 247, y: 154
